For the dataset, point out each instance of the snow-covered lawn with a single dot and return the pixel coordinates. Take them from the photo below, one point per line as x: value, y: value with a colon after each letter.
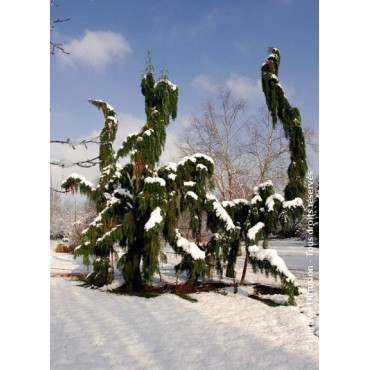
x: 92, y: 329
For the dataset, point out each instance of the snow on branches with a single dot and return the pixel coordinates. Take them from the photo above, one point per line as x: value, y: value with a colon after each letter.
x: 290, y: 118
x: 189, y: 247
x: 269, y: 262
x: 139, y: 205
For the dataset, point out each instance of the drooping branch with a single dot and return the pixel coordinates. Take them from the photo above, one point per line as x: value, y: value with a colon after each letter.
x: 290, y: 118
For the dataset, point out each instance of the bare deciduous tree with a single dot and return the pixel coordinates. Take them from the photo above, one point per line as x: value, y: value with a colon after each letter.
x: 246, y: 151
x: 217, y: 132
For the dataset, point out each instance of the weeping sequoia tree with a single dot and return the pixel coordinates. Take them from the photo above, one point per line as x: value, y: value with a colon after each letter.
x: 139, y: 204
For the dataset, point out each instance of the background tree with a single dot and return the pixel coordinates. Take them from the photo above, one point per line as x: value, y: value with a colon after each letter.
x: 247, y: 150
x: 218, y: 132
x: 56, y: 231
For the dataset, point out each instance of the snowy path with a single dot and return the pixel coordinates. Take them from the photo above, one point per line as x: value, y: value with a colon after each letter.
x: 95, y: 330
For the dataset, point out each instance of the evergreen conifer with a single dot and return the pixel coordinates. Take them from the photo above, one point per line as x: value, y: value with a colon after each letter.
x: 139, y: 204
x: 290, y: 118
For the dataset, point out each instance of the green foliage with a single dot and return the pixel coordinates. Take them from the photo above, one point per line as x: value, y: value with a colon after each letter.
x: 186, y: 297
x: 289, y: 116
x: 268, y: 269
x: 267, y: 302
x: 102, y: 274
x: 139, y: 204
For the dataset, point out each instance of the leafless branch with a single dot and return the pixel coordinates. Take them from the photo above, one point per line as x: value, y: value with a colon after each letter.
x: 53, y: 22
x: 58, y: 46
x: 60, y: 191
x: 64, y: 163
x: 246, y: 151
x: 74, y: 143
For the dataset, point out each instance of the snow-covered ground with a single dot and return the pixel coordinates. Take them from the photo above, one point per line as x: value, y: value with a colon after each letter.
x: 92, y: 329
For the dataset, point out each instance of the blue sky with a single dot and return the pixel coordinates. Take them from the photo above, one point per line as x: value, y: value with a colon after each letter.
x: 205, y: 44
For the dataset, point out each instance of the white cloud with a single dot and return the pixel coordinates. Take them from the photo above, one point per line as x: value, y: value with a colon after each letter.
x: 95, y: 49
x: 242, y: 86
x: 204, y: 82
x: 245, y: 87
x: 127, y: 124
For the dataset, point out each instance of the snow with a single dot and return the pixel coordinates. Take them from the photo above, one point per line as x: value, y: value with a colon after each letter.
x: 76, y: 176
x: 73, y: 141
x: 254, y: 230
x: 110, y: 107
x: 108, y: 233
x: 240, y: 201
x: 173, y: 86
x: 191, y: 194
x: 95, y: 330
x: 272, y: 256
x: 151, y: 180
x: 201, y: 167
x: 211, y: 197
x: 193, y: 158
x: 124, y: 192
x: 274, y: 77
x: 273, y: 54
x: 270, y: 201
x: 297, y: 202
x: 168, y: 82
x: 256, y: 198
x: 189, y: 183
x: 253, y: 249
x: 155, y: 219
x: 234, y: 202
x: 220, y: 212
x: 172, y: 176
x: 92, y: 329
x: 114, y: 119
x: 148, y: 132
x: 64, y: 163
x: 262, y: 186
x: 61, y: 263
x: 132, y: 134
x: 206, y: 157
x: 96, y: 222
x: 189, y: 247
x: 227, y: 203
x: 171, y: 166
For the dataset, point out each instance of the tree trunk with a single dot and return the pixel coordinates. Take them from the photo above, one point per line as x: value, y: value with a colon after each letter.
x: 132, y: 273
x: 244, y: 269
x: 240, y: 252
x: 265, y: 244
